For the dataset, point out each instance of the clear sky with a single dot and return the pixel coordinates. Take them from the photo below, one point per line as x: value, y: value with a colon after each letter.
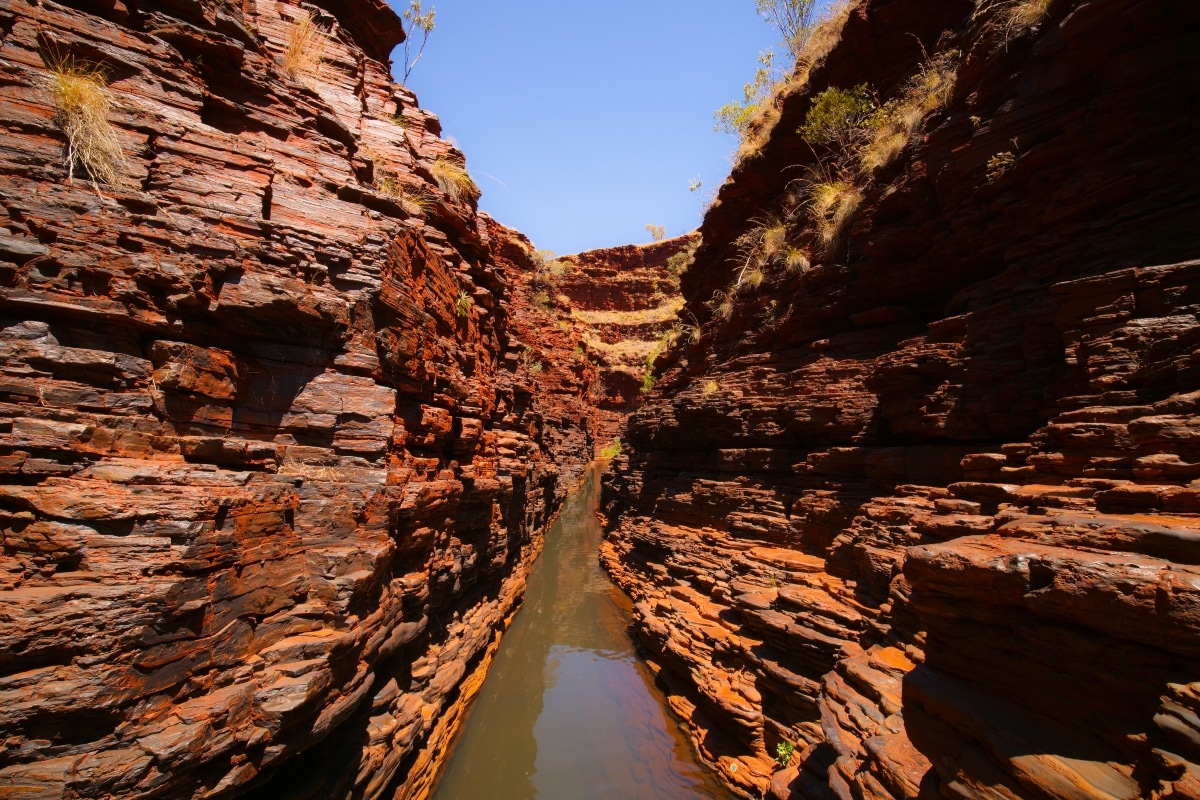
x: 583, y: 121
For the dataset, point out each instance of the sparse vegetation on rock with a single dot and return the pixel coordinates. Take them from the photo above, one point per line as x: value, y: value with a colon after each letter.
x: 462, y: 305
x: 1022, y: 14
x: 83, y: 103
x: 305, y: 51
x: 416, y: 19
x: 452, y: 177
x: 612, y: 450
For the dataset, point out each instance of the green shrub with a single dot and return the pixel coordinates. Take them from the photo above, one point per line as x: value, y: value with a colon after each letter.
x: 735, y: 117
x: 681, y: 262
x: 837, y: 116
x: 612, y: 451
x: 529, y: 360
x: 783, y: 754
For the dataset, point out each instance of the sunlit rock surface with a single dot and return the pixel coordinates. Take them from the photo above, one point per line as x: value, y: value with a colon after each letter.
x: 273, y: 470
x: 926, y: 510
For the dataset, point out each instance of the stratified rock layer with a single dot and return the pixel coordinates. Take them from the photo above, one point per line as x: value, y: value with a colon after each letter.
x: 930, y: 510
x: 273, y: 473
x: 625, y: 302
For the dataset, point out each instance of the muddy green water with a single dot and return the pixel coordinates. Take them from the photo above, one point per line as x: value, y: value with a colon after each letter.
x: 568, y: 711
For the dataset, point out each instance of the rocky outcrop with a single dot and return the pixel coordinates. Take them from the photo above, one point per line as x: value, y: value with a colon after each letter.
x: 925, y: 510
x: 273, y: 468
x: 625, y: 301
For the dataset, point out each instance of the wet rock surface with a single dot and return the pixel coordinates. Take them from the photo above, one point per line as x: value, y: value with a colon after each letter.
x: 926, y: 510
x: 273, y: 471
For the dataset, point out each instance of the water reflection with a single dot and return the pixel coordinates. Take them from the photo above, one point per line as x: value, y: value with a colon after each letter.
x: 567, y: 710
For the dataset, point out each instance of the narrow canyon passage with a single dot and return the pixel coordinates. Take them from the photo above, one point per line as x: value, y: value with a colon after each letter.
x: 568, y: 709
x: 904, y: 487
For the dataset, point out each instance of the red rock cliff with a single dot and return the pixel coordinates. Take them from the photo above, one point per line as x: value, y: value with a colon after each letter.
x: 273, y: 474
x: 923, y: 502
x: 626, y: 303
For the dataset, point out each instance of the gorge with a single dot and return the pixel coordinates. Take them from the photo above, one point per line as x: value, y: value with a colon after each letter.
x: 907, y: 491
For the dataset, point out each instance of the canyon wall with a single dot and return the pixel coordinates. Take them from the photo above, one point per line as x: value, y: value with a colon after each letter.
x: 922, y: 501
x: 625, y: 302
x: 274, y: 466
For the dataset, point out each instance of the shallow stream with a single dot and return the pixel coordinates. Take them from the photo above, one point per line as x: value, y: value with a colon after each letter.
x: 568, y: 711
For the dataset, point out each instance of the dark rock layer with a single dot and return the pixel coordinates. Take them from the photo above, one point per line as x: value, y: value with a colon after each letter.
x: 929, y: 510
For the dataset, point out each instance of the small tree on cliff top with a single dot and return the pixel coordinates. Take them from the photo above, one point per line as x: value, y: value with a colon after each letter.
x: 793, y: 18
x: 416, y: 19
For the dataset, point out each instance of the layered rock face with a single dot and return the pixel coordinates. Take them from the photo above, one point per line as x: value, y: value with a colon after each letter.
x: 273, y: 468
x: 928, y: 511
x: 625, y: 302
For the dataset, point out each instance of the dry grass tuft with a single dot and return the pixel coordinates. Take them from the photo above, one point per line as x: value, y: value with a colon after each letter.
x: 452, y: 177
x: 647, y: 316
x: 823, y: 38
x: 999, y: 164
x: 832, y: 205
x: 1024, y: 14
x: 83, y: 101
x: 415, y: 201
x: 767, y: 245
x: 296, y: 468
x: 759, y: 128
x: 749, y: 279
x: 888, y: 142
x: 774, y: 240
x: 796, y: 260
x: 934, y: 84
x: 305, y: 52
x: 762, y: 246
x: 892, y: 127
x: 721, y: 304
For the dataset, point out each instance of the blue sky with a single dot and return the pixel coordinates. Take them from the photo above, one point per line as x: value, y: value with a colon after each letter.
x: 584, y: 121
